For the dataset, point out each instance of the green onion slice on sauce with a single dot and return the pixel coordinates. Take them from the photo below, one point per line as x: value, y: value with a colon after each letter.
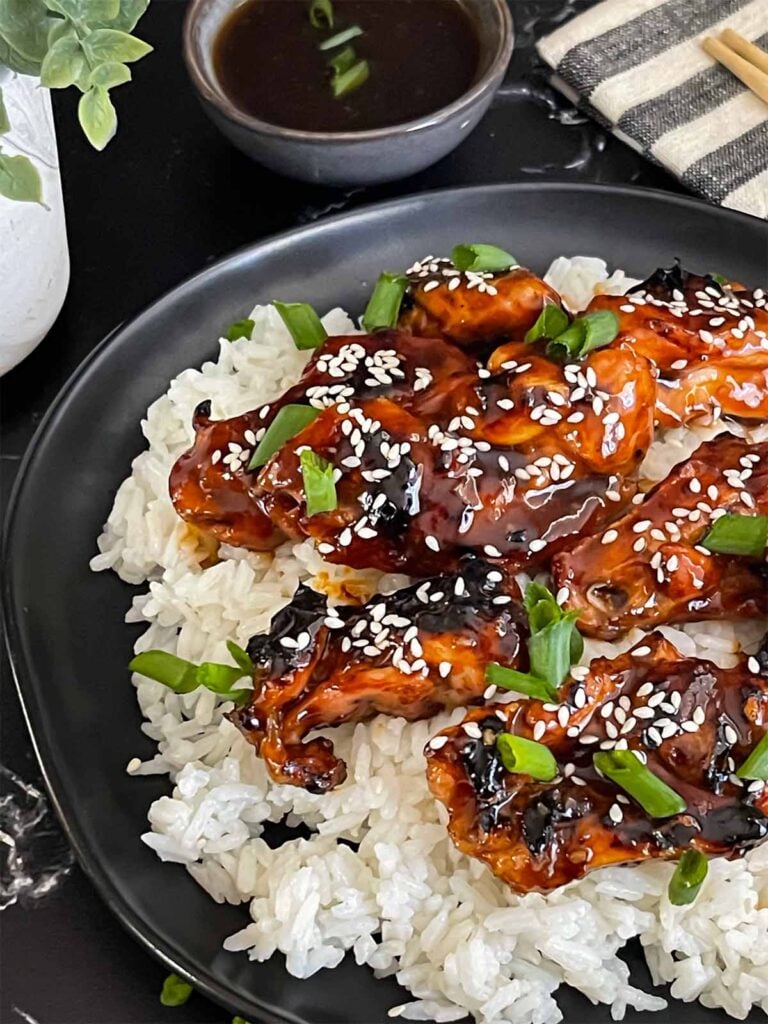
x: 319, y: 485
x: 383, y: 308
x: 303, y: 323
x: 239, y: 329
x: 688, y: 878
x: 526, y: 757
x: 175, y: 991
x: 184, y: 676
x: 551, y: 649
x: 482, y: 258
x: 735, y: 534
x: 289, y: 422
x: 520, y: 682
x: 588, y: 332
x: 551, y: 322
x: 351, y: 79
x: 321, y: 14
x: 341, y: 37
x: 756, y: 765
x: 630, y: 774
x: 342, y: 61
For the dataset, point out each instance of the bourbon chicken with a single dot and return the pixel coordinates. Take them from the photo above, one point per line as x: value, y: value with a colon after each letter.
x: 411, y: 654
x: 691, y: 723
x: 649, y: 566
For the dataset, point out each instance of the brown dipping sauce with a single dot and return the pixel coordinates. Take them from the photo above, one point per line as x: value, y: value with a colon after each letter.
x: 423, y: 55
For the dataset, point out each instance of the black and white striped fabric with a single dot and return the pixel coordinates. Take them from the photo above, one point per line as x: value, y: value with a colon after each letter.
x: 640, y: 66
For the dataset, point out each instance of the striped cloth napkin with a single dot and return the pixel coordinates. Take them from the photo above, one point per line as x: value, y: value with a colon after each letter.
x: 638, y: 65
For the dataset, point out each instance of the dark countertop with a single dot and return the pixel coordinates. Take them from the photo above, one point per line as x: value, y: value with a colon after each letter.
x: 168, y: 196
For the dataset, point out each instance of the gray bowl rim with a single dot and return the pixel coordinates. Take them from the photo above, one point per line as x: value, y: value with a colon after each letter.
x: 225, y: 106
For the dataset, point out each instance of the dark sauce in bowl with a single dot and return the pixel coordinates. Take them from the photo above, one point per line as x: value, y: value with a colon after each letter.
x: 423, y: 55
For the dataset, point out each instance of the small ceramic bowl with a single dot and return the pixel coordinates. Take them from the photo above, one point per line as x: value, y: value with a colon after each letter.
x: 350, y: 158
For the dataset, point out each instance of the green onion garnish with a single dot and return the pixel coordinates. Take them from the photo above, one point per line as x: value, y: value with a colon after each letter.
x: 303, y: 322
x: 239, y: 329
x: 756, y: 765
x: 551, y: 650
x: 383, y: 308
x: 175, y: 991
x: 593, y: 330
x: 720, y: 279
x: 341, y: 37
x: 240, y: 657
x: 688, y: 878
x: 342, y: 61
x: 480, y: 258
x: 551, y: 322
x: 526, y: 757
x: 736, y: 534
x: 184, y: 676
x: 348, y: 81
x: 321, y: 14
x: 629, y: 773
x: 521, y: 682
x: 289, y: 422
x: 541, y: 607
x: 319, y: 486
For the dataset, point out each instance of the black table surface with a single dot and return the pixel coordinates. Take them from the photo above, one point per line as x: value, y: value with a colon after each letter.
x: 168, y: 196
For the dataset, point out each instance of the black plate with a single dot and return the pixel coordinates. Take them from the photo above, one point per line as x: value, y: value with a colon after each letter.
x: 68, y: 643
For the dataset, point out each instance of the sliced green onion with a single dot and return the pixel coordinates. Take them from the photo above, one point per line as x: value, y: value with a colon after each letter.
x: 304, y: 324
x: 688, y: 878
x: 239, y: 329
x: 175, y: 673
x: 218, y: 678
x: 541, y: 606
x: 343, y: 61
x: 756, y: 765
x: 321, y: 14
x: 736, y: 534
x: 176, y: 991
x: 350, y: 80
x: 319, y: 486
x: 341, y: 37
x: 551, y: 322
x: 383, y: 308
x: 720, y: 279
x: 240, y: 657
x: 630, y: 774
x: 594, y: 330
x: 526, y: 757
x: 482, y: 258
x: 551, y: 649
x: 521, y: 682
x: 289, y: 422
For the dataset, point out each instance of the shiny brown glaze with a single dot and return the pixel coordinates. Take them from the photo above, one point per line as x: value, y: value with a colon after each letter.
x: 210, y: 485
x: 410, y: 655
x: 708, y: 343
x: 537, y: 836
x: 479, y: 308
x: 648, y: 567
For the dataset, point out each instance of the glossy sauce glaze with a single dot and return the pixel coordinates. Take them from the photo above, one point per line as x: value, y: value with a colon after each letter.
x: 423, y: 55
x: 692, y: 723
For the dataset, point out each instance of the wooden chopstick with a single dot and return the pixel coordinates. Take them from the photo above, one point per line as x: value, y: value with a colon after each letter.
x: 749, y: 51
x: 745, y: 71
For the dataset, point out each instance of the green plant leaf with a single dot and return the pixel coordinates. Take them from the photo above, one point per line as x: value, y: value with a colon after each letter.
x: 108, y: 44
x: 24, y: 26
x: 97, y: 11
x: 10, y: 58
x: 5, y: 124
x: 64, y: 63
x: 97, y: 116
x: 110, y: 75
x: 19, y: 179
x: 129, y: 14
x: 60, y: 29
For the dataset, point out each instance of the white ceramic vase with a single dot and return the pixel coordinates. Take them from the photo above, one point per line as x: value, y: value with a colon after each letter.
x: 34, y: 258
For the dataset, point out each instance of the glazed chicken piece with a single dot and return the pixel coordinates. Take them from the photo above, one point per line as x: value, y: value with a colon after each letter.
x: 693, y: 722
x: 648, y: 567
x: 210, y: 486
x: 473, y: 309
x: 415, y: 499
x: 409, y: 654
x: 709, y: 344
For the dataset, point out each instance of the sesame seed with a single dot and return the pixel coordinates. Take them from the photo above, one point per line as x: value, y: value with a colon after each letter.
x: 438, y: 742
x: 539, y: 729
x: 432, y: 542
x: 609, y: 536
x: 616, y: 814
x: 492, y: 551
x: 472, y: 729
x: 699, y: 716
x: 563, y: 715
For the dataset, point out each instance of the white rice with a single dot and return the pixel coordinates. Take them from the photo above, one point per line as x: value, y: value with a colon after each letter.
x: 404, y: 901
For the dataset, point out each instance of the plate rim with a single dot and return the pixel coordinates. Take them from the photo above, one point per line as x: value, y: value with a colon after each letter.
x: 172, y: 957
